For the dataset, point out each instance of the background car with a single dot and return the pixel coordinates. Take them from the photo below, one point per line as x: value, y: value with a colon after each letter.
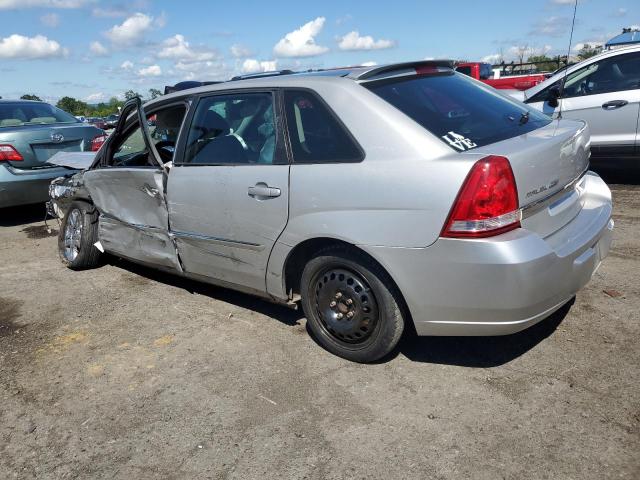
x: 30, y: 133
x: 111, y: 120
x: 604, y: 91
x: 98, y: 122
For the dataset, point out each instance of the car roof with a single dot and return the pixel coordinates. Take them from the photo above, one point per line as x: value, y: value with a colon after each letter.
x: 576, y: 66
x: 310, y: 77
x: 19, y: 100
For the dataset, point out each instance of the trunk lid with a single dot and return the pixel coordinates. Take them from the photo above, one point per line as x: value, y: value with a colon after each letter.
x: 547, y: 164
x: 38, y: 143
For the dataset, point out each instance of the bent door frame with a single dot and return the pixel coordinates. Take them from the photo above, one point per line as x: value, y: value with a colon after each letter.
x: 134, y: 219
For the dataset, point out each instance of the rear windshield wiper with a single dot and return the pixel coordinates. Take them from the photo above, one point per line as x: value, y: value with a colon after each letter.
x: 524, y: 118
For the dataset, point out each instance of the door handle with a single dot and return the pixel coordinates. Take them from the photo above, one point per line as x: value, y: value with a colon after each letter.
x: 613, y: 104
x: 263, y: 190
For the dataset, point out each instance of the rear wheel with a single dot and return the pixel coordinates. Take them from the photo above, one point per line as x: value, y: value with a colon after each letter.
x: 351, y: 305
x: 78, y: 233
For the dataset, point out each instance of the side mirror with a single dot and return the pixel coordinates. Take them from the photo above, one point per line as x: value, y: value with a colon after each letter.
x: 553, y: 95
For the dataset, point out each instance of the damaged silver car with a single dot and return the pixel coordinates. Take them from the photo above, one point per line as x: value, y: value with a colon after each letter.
x: 376, y: 197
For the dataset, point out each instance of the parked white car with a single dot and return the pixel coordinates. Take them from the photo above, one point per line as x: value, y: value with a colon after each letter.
x: 603, y: 90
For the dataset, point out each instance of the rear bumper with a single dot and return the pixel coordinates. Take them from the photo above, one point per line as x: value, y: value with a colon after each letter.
x: 504, y: 284
x: 22, y: 187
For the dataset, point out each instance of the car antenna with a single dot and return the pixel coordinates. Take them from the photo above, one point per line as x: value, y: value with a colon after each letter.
x: 566, y: 69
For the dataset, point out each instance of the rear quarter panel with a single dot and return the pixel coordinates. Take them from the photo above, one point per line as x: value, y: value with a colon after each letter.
x: 399, y: 195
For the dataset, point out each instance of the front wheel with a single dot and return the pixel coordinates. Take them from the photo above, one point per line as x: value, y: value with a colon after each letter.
x: 78, y: 233
x: 351, y: 305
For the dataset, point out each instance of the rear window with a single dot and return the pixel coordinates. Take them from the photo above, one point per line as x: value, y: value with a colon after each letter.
x: 315, y: 134
x: 457, y: 110
x: 18, y: 114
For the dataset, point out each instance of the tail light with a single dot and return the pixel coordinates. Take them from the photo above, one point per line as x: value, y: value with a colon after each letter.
x: 97, y: 142
x: 487, y: 204
x: 9, y: 154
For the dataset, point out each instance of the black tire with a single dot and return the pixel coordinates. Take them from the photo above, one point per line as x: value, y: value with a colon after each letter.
x: 80, y: 253
x: 352, y: 307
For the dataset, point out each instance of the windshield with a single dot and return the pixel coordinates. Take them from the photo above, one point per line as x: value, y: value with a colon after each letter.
x: 18, y: 114
x: 458, y: 110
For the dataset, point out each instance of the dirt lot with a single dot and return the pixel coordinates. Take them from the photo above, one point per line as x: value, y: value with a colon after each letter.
x: 125, y: 373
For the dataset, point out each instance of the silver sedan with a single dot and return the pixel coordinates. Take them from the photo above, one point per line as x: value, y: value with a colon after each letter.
x: 373, y: 197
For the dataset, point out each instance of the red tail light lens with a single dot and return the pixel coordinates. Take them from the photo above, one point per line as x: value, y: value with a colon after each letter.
x: 97, y: 142
x: 487, y: 204
x: 9, y: 154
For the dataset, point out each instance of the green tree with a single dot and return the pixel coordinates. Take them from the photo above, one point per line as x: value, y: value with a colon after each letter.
x: 73, y: 106
x: 588, y: 51
x: 30, y: 96
x: 154, y: 93
x: 129, y: 94
x: 544, y: 63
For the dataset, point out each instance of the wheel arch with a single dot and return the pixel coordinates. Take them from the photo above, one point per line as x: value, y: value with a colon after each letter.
x: 305, y: 250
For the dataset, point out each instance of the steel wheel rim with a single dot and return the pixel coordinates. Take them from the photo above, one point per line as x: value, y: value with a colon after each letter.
x: 72, y: 235
x: 346, y: 305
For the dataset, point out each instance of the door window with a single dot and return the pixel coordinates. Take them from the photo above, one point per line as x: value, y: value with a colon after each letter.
x: 164, y: 126
x: 234, y: 129
x: 315, y: 134
x: 614, y: 74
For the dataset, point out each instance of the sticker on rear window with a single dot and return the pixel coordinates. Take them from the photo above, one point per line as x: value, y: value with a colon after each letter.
x: 458, y: 141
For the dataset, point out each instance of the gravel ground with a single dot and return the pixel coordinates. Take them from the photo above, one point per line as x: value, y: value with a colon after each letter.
x: 126, y: 373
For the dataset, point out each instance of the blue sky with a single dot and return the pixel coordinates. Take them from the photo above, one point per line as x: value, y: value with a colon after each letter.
x: 93, y: 49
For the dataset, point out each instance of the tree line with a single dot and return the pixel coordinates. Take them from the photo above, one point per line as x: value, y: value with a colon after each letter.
x: 80, y: 108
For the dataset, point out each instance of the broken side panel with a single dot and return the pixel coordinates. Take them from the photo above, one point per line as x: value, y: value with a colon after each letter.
x: 133, y: 214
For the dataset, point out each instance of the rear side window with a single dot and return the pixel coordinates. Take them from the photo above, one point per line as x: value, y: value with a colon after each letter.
x: 464, y: 70
x: 315, y: 134
x: 457, y: 110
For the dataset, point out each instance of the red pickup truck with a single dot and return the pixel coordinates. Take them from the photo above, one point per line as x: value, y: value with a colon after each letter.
x: 484, y: 72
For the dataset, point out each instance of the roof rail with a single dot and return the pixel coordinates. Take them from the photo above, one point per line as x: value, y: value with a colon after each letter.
x: 378, y: 70
x: 186, y: 85
x: 274, y: 73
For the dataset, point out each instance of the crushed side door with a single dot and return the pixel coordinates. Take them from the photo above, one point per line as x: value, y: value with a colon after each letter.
x: 134, y: 220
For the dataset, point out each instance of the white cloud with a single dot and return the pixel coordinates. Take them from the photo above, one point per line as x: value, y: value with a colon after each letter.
x: 620, y: 12
x: 95, y: 97
x: 493, y: 58
x: 109, y: 12
x: 126, y: 65
x: 18, y: 46
x: 160, y: 21
x: 150, y: 71
x: 209, y: 70
x: 302, y: 42
x: 240, y: 51
x: 525, y: 51
x: 563, y: 2
x: 98, y: 49
x: 50, y: 20
x: 353, y: 41
x: 552, y: 26
x: 20, y: 4
x: 515, y: 52
x: 344, y: 19
x: 178, y: 48
x: 579, y: 46
x: 131, y: 31
x: 251, y: 65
